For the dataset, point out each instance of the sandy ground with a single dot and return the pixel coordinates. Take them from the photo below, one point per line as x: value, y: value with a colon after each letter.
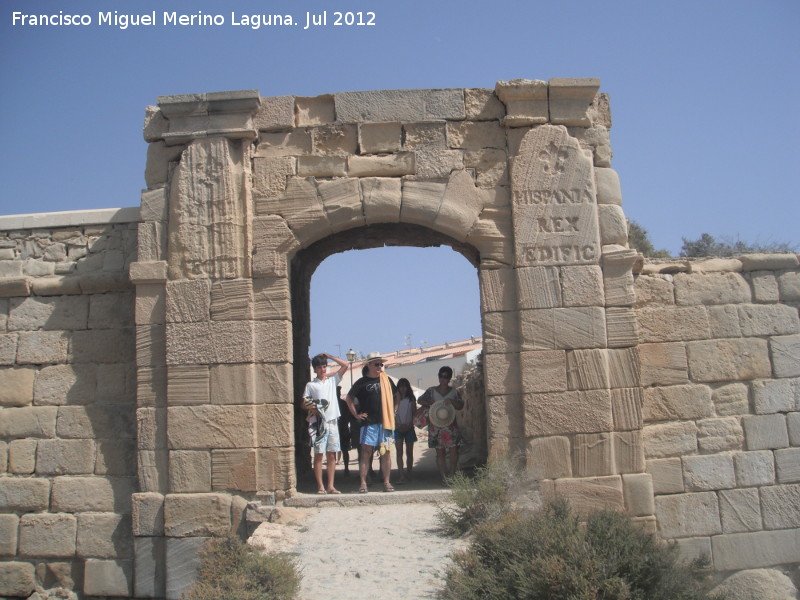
x: 365, y: 546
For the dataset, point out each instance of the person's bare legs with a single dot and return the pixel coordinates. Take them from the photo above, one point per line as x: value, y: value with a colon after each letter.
x: 363, y: 464
x: 453, y: 460
x: 318, y: 472
x: 386, y: 471
x: 399, y: 446
x: 331, y: 471
x: 409, y: 459
x: 441, y: 462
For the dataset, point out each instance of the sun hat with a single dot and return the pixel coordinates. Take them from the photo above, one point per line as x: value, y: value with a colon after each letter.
x: 374, y: 356
x: 441, y: 414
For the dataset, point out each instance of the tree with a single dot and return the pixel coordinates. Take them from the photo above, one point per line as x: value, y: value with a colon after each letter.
x: 708, y: 245
x: 638, y: 240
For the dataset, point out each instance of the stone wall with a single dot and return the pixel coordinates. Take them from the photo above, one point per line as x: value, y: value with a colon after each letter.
x: 67, y: 402
x: 720, y: 372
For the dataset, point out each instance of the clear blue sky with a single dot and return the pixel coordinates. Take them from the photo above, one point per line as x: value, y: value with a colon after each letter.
x: 704, y: 97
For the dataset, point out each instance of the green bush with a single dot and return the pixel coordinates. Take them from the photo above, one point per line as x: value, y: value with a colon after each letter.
x: 483, y: 495
x: 517, y: 551
x: 232, y: 570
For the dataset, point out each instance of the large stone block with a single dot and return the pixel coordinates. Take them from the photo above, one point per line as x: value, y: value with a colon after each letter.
x: 22, y: 456
x: 711, y: 288
x: 623, y: 367
x: 563, y: 328
x: 789, y: 286
x: 189, y: 471
x: 232, y: 300
x: 273, y: 341
x: 673, y: 324
x: 677, y: 402
x: 740, y: 510
x: 710, y: 472
x: 275, y: 113
x: 382, y: 197
x: 47, y: 535
x: 17, y: 385
x: 147, y: 516
x: 667, y: 475
x: 150, y: 567
x: 754, y: 468
x: 65, y: 457
x: 188, y: 300
x: 54, y: 313
x: 720, y: 434
x: 92, y: 494
x: 626, y: 407
x: 104, y: 535
x: 210, y: 342
x: 778, y: 395
x: 582, y: 286
x: 549, y: 458
x: 587, y: 370
x: 276, y: 469
x: 738, y: 551
x: 653, y: 290
x: 663, y: 364
x: 567, y: 412
x: 501, y: 332
x: 670, y: 439
x: 17, y: 578
x: 785, y: 353
x: 608, y: 187
x: 498, y: 289
x: 731, y: 400
x: 202, y: 427
x: 195, y: 515
x: 41, y: 347
x: 382, y: 165
x: 377, y: 138
x: 780, y: 506
x: 538, y: 287
x: 730, y: 359
x: 628, y: 452
x: 96, y: 421
x: 768, y: 319
x: 274, y: 383
x: 103, y: 346
x: 108, y: 577
x: 591, y: 494
x: 638, y: 489
x: 787, y: 463
x: 29, y: 422
x: 541, y: 371
x: 271, y: 298
x: 525, y: 100
x: 182, y: 564
x: 570, y: 99
x: 234, y: 470
x: 399, y: 105
x: 483, y: 104
x: 765, y: 432
x: 685, y: 515
x: 188, y: 384
x: 274, y: 425
x: 593, y: 454
x: 461, y: 205
x: 341, y: 199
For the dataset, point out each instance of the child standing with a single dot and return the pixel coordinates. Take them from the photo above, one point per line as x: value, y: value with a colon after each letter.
x: 404, y: 434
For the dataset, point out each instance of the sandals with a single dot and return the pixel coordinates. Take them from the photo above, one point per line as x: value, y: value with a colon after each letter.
x: 388, y: 488
x: 321, y: 492
x: 334, y: 491
x: 363, y: 490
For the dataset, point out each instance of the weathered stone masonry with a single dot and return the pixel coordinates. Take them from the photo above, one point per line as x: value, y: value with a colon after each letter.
x: 148, y: 362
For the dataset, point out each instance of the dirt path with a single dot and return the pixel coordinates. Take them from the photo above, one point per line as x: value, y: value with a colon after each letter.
x: 365, y: 546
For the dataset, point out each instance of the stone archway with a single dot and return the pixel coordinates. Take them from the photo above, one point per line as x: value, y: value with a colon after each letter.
x: 248, y: 194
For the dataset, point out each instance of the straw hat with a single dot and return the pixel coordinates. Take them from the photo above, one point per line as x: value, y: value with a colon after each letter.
x: 441, y: 414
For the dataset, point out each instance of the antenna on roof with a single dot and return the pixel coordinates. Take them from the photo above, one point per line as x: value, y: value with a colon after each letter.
x: 407, y: 338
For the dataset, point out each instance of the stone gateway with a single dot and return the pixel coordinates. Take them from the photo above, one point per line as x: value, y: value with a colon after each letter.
x: 149, y: 357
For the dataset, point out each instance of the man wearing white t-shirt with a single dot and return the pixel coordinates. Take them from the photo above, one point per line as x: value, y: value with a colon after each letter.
x: 326, y: 441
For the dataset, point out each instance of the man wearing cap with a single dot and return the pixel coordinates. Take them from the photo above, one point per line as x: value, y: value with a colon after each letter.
x: 375, y: 395
x: 321, y: 391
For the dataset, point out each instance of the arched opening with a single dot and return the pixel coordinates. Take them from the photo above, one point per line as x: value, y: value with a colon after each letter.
x: 352, y: 311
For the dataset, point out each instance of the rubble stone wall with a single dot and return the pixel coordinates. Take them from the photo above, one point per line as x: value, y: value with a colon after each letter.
x: 720, y: 374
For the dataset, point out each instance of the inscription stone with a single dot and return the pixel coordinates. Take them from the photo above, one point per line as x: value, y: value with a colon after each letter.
x: 553, y: 201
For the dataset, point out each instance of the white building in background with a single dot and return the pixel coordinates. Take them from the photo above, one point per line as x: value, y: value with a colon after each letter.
x: 421, y: 365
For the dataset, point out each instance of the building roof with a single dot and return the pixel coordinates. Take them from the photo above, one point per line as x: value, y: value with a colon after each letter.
x: 413, y: 356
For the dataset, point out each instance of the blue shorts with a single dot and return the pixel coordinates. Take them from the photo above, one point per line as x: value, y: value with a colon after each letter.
x: 328, y: 441
x: 374, y: 435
